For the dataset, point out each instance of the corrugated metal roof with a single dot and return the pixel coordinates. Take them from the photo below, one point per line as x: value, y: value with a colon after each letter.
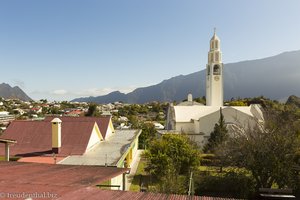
x: 71, y: 182
x: 92, y: 193
x: 102, y: 122
x: 108, y: 152
x: 19, y: 177
x: 35, y: 137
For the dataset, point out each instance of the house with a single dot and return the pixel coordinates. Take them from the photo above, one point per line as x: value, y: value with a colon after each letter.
x: 36, y: 110
x: 72, y: 140
x: 6, y: 118
x: 73, y: 113
x: 158, y: 126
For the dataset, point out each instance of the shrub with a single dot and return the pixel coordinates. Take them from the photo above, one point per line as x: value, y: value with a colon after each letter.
x: 230, y: 184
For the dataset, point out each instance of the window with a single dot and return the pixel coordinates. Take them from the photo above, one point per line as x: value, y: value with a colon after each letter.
x: 217, y: 57
x: 217, y: 70
x: 216, y: 44
x: 211, y: 57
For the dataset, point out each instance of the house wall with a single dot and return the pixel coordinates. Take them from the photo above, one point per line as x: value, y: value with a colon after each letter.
x: 132, y: 152
x: 118, y: 180
x: 94, y: 139
x: 135, y: 146
x: 110, y: 130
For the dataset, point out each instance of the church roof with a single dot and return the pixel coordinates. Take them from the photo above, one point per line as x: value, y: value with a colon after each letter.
x: 187, y: 113
x: 215, y: 37
x: 195, y: 112
x: 189, y: 103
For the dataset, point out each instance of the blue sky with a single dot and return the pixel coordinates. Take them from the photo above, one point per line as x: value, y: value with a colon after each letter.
x: 62, y: 49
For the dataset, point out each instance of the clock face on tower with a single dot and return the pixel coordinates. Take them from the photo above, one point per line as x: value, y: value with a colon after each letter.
x: 217, y: 78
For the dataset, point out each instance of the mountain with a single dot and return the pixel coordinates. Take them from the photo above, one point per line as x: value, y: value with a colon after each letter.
x: 8, y: 92
x: 275, y: 77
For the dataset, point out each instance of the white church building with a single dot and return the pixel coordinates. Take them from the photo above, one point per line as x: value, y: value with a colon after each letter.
x: 197, y: 120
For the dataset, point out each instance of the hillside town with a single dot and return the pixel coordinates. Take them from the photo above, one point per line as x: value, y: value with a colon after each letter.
x: 199, y: 148
x: 16, y: 109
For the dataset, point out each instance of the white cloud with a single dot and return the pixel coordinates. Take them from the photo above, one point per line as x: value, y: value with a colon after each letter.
x: 103, y: 91
x: 59, y: 92
x: 63, y: 94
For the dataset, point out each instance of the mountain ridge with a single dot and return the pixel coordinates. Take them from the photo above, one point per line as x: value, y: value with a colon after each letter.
x: 275, y: 77
x: 8, y: 92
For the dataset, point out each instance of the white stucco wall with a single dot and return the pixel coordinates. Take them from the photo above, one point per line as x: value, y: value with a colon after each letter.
x: 197, y: 138
x: 109, y: 131
x: 118, y: 180
x: 186, y: 127
x: 94, y: 139
x: 199, y: 130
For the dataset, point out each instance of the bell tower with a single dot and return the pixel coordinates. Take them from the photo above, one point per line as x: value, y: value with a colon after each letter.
x: 214, y: 73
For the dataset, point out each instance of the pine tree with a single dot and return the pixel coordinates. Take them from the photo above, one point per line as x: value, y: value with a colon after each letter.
x: 218, y: 136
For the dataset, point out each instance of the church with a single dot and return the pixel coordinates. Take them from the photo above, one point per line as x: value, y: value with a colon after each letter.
x: 197, y: 120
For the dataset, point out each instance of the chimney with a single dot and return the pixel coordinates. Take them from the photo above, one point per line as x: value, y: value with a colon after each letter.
x: 190, y: 98
x: 56, y: 135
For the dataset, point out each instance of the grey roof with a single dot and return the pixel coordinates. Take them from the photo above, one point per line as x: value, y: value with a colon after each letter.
x: 105, y: 152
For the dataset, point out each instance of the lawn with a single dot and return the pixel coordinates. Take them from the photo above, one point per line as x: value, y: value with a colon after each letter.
x: 140, y: 173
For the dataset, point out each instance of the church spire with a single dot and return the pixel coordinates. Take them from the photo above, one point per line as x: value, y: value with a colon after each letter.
x: 214, y: 54
x: 214, y: 80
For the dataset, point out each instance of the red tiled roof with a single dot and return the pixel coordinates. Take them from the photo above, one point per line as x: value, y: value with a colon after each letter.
x: 102, y: 122
x: 56, y: 179
x: 35, y: 137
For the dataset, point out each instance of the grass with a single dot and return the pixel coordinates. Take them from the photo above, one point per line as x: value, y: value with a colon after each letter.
x: 135, y: 184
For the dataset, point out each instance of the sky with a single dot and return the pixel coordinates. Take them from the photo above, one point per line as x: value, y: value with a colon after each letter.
x: 63, y: 49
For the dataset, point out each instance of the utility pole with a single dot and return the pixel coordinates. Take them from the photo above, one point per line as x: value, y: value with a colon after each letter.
x: 191, y: 185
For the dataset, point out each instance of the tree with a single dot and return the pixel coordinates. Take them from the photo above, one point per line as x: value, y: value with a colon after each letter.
x: 170, y: 160
x: 267, y: 152
x: 218, y: 136
x: 148, y: 133
x: 92, y: 110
